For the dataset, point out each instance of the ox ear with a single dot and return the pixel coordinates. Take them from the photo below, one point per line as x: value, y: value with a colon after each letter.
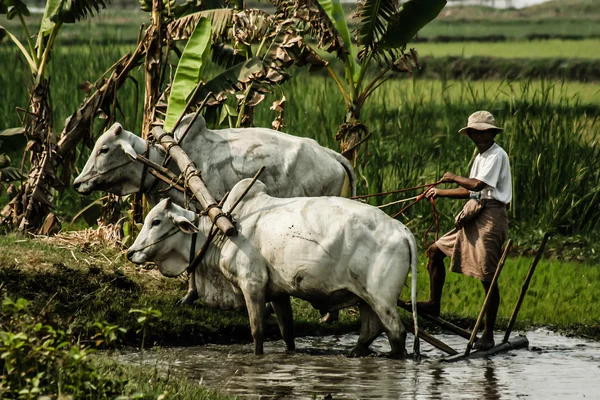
x: 129, y: 150
x: 184, y: 224
x: 117, y: 128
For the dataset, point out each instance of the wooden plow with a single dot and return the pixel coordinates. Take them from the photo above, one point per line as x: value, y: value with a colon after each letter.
x: 508, y: 343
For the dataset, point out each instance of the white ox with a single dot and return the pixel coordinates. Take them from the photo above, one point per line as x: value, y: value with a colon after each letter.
x: 295, y: 167
x: 330, y: 251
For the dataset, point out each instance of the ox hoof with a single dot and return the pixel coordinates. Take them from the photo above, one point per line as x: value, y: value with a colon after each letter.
x: 361, y: 351
x: 399, y: 355
x: 189, y: 298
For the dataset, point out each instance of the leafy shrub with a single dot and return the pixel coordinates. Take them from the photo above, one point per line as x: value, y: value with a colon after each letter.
x: 38, y: 359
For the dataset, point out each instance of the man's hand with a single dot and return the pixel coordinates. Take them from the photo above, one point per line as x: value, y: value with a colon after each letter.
x: 432, y: 192
x: 448, y: 177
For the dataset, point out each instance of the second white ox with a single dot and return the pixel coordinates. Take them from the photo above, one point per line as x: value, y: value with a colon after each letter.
x: 330, y: 251
x: 295, y: 166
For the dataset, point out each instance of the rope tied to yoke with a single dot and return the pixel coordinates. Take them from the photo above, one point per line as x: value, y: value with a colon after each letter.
x: 435, y: 220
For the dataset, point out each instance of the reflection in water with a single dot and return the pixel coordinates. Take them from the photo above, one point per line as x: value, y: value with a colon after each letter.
x: 555, y: 367
x: 490, y: 383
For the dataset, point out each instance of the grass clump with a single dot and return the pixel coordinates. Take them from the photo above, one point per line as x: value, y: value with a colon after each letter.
x: 38, y: 359
x: 41, y: 357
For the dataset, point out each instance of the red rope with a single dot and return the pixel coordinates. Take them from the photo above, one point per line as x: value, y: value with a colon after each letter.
x: 364, y: 196
x: 435, y: 220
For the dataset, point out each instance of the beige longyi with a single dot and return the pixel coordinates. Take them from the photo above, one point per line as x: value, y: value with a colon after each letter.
x: 477, y: 247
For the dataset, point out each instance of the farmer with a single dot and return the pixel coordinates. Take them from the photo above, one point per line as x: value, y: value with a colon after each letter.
x: 475, y: 244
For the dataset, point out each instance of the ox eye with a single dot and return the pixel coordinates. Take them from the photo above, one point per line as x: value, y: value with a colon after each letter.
x: 156, y: 222
x: 103, y: 150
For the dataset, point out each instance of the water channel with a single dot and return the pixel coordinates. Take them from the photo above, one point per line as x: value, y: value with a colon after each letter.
x: 554, y: 367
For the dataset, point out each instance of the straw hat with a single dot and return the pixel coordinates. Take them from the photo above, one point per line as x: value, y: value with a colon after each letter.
x: 481, y: 121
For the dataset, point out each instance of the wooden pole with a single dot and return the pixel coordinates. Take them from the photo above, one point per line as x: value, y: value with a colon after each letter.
x: 213, y: 232
x: 487, y: 297
x: 525, y: 286
x: 432, y: 340
x: 192, y: 178
x: 439, y: 321
x: 515, y: 343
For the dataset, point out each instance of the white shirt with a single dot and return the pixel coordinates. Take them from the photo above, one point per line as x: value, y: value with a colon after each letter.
x: 493, y: 168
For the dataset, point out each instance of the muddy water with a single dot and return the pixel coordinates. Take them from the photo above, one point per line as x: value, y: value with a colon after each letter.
x: 553, y: 367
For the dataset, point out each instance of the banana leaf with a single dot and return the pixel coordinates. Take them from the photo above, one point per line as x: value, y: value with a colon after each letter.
x: 335, y: 12
x: 189, y: 71
x: 412, y: 16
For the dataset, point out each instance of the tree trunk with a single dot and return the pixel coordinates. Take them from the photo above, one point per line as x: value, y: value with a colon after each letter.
x: 152, y: 84
x: 351, y: 134
x: 31, y: 206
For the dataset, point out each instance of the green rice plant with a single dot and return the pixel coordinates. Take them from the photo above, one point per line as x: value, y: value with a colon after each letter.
x: 587, y: 48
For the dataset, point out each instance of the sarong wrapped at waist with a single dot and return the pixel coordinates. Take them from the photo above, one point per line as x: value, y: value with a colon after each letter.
x: 477, y: 247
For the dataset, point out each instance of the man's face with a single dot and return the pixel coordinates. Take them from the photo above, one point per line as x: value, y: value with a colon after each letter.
x: 480, y: 137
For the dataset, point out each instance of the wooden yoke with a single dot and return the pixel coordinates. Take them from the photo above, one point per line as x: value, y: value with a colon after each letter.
x: 192, y: 178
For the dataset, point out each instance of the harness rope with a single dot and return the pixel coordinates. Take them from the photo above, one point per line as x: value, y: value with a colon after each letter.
x: 107, y: 171
x: 161, y: 239
x: 435, y: 220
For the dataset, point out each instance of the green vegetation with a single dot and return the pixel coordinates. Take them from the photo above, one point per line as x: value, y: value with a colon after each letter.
x: 587, y: 48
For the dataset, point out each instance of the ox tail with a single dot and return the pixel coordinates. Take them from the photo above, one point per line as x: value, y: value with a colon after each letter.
x: 350, y: 179
x: 412, y: 243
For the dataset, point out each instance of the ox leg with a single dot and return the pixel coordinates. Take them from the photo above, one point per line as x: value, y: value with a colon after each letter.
x: 285, y: 320
x: 370, y: 328
x: 394, y: 329
x: 255, y: 303
x: 192, y: 293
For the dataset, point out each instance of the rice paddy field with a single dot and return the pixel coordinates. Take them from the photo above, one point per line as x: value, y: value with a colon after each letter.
x: 536, y: 69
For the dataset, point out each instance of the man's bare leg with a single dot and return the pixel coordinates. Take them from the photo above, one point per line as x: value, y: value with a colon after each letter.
x: 437, y: 277
x: 486, y: 341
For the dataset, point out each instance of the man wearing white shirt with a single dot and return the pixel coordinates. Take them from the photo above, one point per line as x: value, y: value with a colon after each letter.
x: 475, y: 245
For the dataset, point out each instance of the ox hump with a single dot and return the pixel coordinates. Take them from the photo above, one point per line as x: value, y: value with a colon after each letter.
x: 199, y: 126
x: 238, y: 190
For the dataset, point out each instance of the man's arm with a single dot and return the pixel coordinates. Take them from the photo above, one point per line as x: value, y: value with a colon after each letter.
x: 468, y: 184
x: 458, y: 193
x: 472, y: 184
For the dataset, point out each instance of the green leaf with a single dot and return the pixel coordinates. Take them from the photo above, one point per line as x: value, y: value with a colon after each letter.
x: 189, y: 71
x: 3, y: 8
x: 52, y: 7
x: 228, y: 80
x: 374, y: 18
x: 24, y: 52
x: 12, y: 131
x: 10, y: 174
x: 412, y: 16
x: 333, y: 9
x: 70, y: 11
x: 18, y: 7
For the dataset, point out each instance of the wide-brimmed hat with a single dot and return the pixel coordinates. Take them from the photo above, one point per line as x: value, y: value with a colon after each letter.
x: 481, y: 121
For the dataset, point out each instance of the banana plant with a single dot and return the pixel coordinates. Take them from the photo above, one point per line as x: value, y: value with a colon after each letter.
x: 384, y: 28
x: 31, y: 206
x: 229, y: 35
x: 57, y: 13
